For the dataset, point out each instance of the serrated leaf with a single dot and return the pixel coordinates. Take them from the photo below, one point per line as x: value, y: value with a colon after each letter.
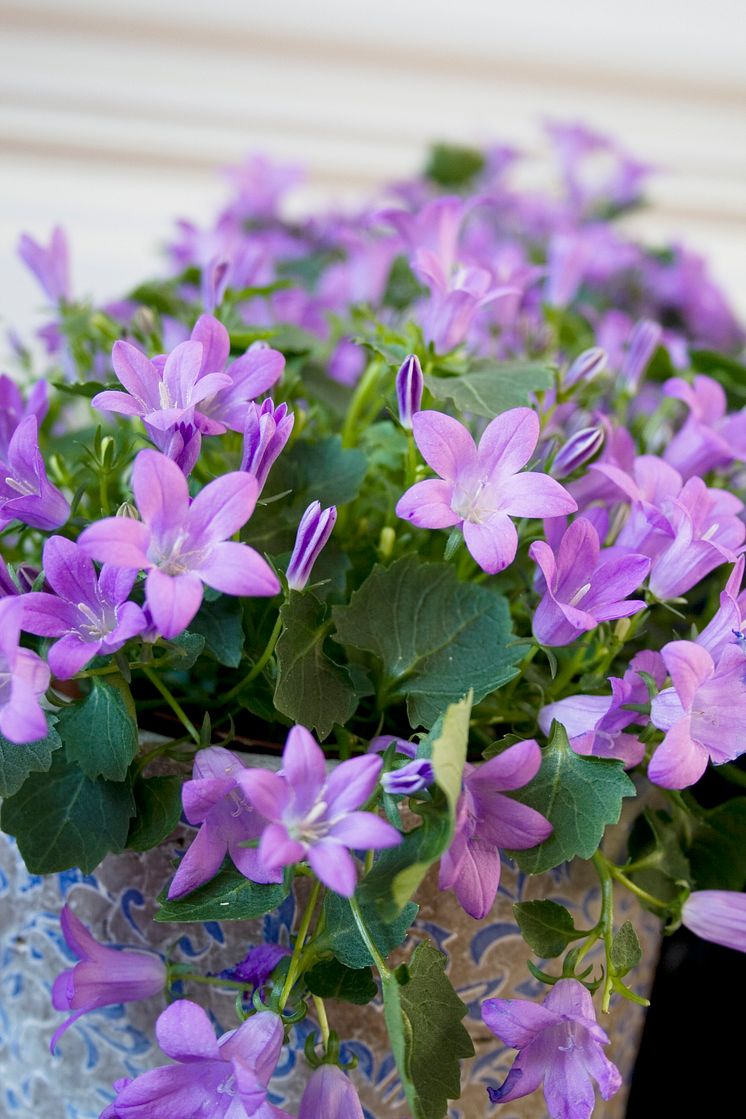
x: 62, y: 819
x: 489, y: 388
x: 718, y: 847
x: 157, y: 811
x: 341, y: 935
x: 436, y: 638
x: 579, y: 795
x: 329, y: 979
x: 626, y: 951
x: 311, y: 688
x: 228, y: 897
x: 100, y: 732
x: 18, y: 761
x: 220, y: 623
x: 423, y: 1017
x: 545, y: 926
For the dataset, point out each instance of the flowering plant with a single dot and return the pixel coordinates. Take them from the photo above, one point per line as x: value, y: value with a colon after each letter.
x: 437, y: 505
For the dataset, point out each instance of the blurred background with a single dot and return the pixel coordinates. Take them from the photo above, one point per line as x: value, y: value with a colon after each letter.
x: 116, y: 116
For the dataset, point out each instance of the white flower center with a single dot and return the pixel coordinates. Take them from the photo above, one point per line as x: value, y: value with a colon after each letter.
x: 97, y: 626
x: 312, y: 827
x: 581, y: 592
x: 25, y: 488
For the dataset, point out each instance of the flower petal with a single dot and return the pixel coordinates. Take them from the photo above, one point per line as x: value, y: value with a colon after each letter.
x: 185, y: 1032
x: 119, y: 541
x: 509, y: 441
x: 173, y: 600
x: 161, y: 493
x: 517, y: 1021
x: 268, y: 792
x: 428, y: 504
x: 679, y: 761
x: 215, y: 341
x: 223, y: 507
x: 71, y: 654
x: 689, y: 665
x: 335, y: 866
x: 303, y: 766
x: 135, y: 371
x: 493, y: 544
x: 444, y: 443
x: 536, y: 495
x: 201, y: 862
x: 364, y: 831
x: 351, y: 783
x: 237, y: 569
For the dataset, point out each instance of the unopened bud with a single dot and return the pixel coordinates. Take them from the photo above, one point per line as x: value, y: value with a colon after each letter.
x: 411, y: 778
x: 642, y: 343
x: 577, y: 451
x: 386, y: 542
x: 409, y: 386
x: 586, y: 366
x: 313, y: 532
x: 127, y: 509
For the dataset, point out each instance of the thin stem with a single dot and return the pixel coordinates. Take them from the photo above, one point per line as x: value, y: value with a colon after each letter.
x: 300, y: 939
x: 628, y: 884
x: 269, y: 649
x: 172, y: 702
x: 606, y: 923
x: 383, y: 971
x: 323, y: 1020
x: 213, y: 981
x: 360, y: 402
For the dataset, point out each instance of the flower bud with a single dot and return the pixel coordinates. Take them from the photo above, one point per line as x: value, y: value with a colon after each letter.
x: 586, y: 366
x: 409, y: 386
x: 718, y: 916
x: 127, y: 509
x: 409, y: 779
x: 267, y: 431
x: 642, y: 343
x: 579, y: 449
x: 313, y: 532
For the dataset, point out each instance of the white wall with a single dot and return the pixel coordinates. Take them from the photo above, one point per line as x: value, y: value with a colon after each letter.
x: 114, y: 115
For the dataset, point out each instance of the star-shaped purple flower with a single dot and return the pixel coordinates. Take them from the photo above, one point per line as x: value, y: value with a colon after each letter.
x: 26, y: 494
x: 88, y: 615
x: 214, y: 801
x: 702, y: 714
x: 481, y: 488
x: 103, y: 977
x: 181, y: 543
x: 581, y: 587
x: 315, y: 817
x: 213, y: 1078
x: 559, y: 1043
x: 24, y: 677
x: 487, y: 820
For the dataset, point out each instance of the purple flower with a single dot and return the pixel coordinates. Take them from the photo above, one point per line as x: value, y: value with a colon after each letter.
x: 717, y: 915
x: 330, y: 1094
x: 486, y: 820
x: 26, y: 494
x: 88, y: 615
x: 455, y: 299
x: 162, y: 393
x: 709, y: 437
x: 582, y: 588
x: 481, y: 488
x: 267, y: 431
x: 103, y: 976
x: 597, y: 172
x: 314, y: 817
x: 382, y: 742
x: 595, y: 724
x: 726, y: 627
x: 213, y: 1078
x: 258, y: 964
x: 214, y: 801
x: 24, y: 677
x: 409, y: 387
x: 410, y: 778
x: 13, y: 408
x: 559, y: 1043
x: 314, y: 530
x: 586, y: 366
x: 248, y: 376
x: 50, y: 265
x: 181, y: 543
x: 702, y: 714
x: 181, y: 443
x: 579, y: 449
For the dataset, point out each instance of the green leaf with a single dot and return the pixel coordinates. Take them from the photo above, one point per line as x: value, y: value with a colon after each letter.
x: 451, y: 165
x: 545, y: 926
x: 626, y: 951
x: 718, y: 848
x: 424, y: 1016
x: 579, y: 796
x: 100, y: 732
x: 655, y: 843
x: 436, y: 638
x: 62, y: 819
x: 398, y: 871
x: 183, y: 652
x: 18, y: 761
x: 311, y: 688
x: 157, y: 811
x: 220, y: 623
x: 492, y: 387
x: 329, y: 979
x: 228, y: 897
x: 341, y: 935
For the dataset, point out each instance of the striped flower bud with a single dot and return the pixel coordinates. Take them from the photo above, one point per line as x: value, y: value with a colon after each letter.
x: 579, y: 449
x: 642, y: 343
x: 409, y: 386
x: 586, y: 366
x: 313, y: 532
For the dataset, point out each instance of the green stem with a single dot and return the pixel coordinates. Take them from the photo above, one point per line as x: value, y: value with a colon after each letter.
x: 300, y: 939
x: 410, y: 475
x: 606, y: 923
x: 269, y: 649
x: 628, y: 884
x: 361, y: 400
x: 214, y: 981
x: 172, y: 702
x: 323, y: 1020
x: 383, y: 971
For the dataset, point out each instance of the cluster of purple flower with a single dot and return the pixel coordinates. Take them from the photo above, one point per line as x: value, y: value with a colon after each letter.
x: 633, y: 463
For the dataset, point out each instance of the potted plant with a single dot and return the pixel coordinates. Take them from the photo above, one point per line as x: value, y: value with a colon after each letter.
x: 378, y: 549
